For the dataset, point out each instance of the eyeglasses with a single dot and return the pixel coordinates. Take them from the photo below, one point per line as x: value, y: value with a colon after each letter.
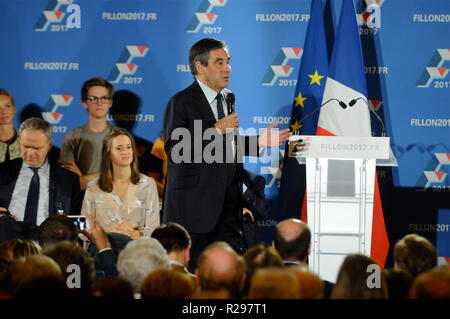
x: 103, y: 99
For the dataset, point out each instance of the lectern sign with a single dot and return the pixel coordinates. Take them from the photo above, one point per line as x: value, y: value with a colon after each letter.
x: 339, y: 146
x: 340, y: 183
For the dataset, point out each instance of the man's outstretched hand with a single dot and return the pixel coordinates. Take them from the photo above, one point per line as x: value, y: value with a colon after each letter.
x: 272, y: 138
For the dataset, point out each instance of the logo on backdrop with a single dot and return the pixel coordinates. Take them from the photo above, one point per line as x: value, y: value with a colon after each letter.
x: 280, y: 69
x: 370, y: 17
x: 125, y: 67
x: 205, y: 16
x: 436, y: 71
x: 53, y: 16
x: 435, y: 173
x: 272, y: 171
x: 51, y: 113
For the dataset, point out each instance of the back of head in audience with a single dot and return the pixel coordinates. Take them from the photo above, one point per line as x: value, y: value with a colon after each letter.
x: 353, y: 280
x: 112, y: 288
x: 57, y: 228
x: 415, y: 254
x: 212, y: 294
x: 260, y: 257
x: 167, y: 284
x: 220, y: 267
x: 175, y: 239
x: 274, y: 283
x: 311, y: 286
x: 22, y: 270
x: 13, y: 249
x: 399, y: 283
x: 292, y: 240
x: 66, y: 254
x: 139, y: 258
x: 44, y: 287
x: 432, y: 284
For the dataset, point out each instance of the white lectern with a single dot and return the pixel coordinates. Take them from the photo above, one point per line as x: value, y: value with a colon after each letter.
x: 340, y: 179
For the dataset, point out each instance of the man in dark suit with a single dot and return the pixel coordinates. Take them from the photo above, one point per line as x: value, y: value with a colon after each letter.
x: 33, y: 187
x: 292, y: 240
x: 254, y: 206
x: 176, y: 240
x: 202, y: 190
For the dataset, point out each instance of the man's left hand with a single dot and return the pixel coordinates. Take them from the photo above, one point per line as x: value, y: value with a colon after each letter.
x: 272, y: 138
x: 5, y: 212
x: 247, y: 216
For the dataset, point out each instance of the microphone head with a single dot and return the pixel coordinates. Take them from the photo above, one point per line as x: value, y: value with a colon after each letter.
x: 230, y: 98
x: 352, y: 102
x: 230, y: 102
x: 343, y: 105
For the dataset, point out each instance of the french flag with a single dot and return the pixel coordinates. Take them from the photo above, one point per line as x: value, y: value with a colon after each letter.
x: 346, y: 81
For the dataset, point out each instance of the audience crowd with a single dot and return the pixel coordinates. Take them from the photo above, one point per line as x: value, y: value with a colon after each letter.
x: 155, y: 267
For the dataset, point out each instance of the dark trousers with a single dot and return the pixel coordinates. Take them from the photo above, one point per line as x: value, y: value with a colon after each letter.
x: 229, y: 226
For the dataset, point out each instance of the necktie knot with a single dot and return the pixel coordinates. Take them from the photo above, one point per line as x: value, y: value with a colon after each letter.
x: 34, y: 169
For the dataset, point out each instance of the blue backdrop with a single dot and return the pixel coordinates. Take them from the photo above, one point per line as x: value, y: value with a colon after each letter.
x: 142, y: 46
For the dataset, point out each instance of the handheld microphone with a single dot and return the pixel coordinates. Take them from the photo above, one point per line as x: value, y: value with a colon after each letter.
x: 353, y: 102
x: 230, y: 103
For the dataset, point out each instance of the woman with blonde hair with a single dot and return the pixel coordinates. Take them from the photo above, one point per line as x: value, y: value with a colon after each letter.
x: 9, y: 142
x: 120, y: 198
x: 10, y: 251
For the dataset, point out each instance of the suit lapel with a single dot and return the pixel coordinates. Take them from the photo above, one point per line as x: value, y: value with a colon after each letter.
x: 14, y: 170
x: 51, y: 190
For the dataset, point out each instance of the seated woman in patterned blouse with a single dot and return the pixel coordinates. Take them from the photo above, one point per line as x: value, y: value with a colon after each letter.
x: 121, y: 199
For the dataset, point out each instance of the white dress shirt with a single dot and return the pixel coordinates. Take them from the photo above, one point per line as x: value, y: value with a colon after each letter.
x: 20, y: 193
x: 211, y: 95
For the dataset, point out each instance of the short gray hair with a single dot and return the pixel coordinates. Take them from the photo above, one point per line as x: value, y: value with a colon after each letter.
x: 200, y: 52
x: 139, y: 258
x: 36, y: 123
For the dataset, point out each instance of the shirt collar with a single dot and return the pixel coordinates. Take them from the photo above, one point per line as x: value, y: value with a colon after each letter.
x: 210, y: 93
x: 44, y: 167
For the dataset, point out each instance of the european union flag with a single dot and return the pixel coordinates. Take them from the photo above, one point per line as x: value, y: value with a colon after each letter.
x: 308, y: 97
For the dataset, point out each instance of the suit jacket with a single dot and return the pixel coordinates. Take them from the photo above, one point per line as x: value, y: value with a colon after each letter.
x: 195, y: 191
x: 182, y: 269
x: 64, y: 187
x: 254, y: 199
